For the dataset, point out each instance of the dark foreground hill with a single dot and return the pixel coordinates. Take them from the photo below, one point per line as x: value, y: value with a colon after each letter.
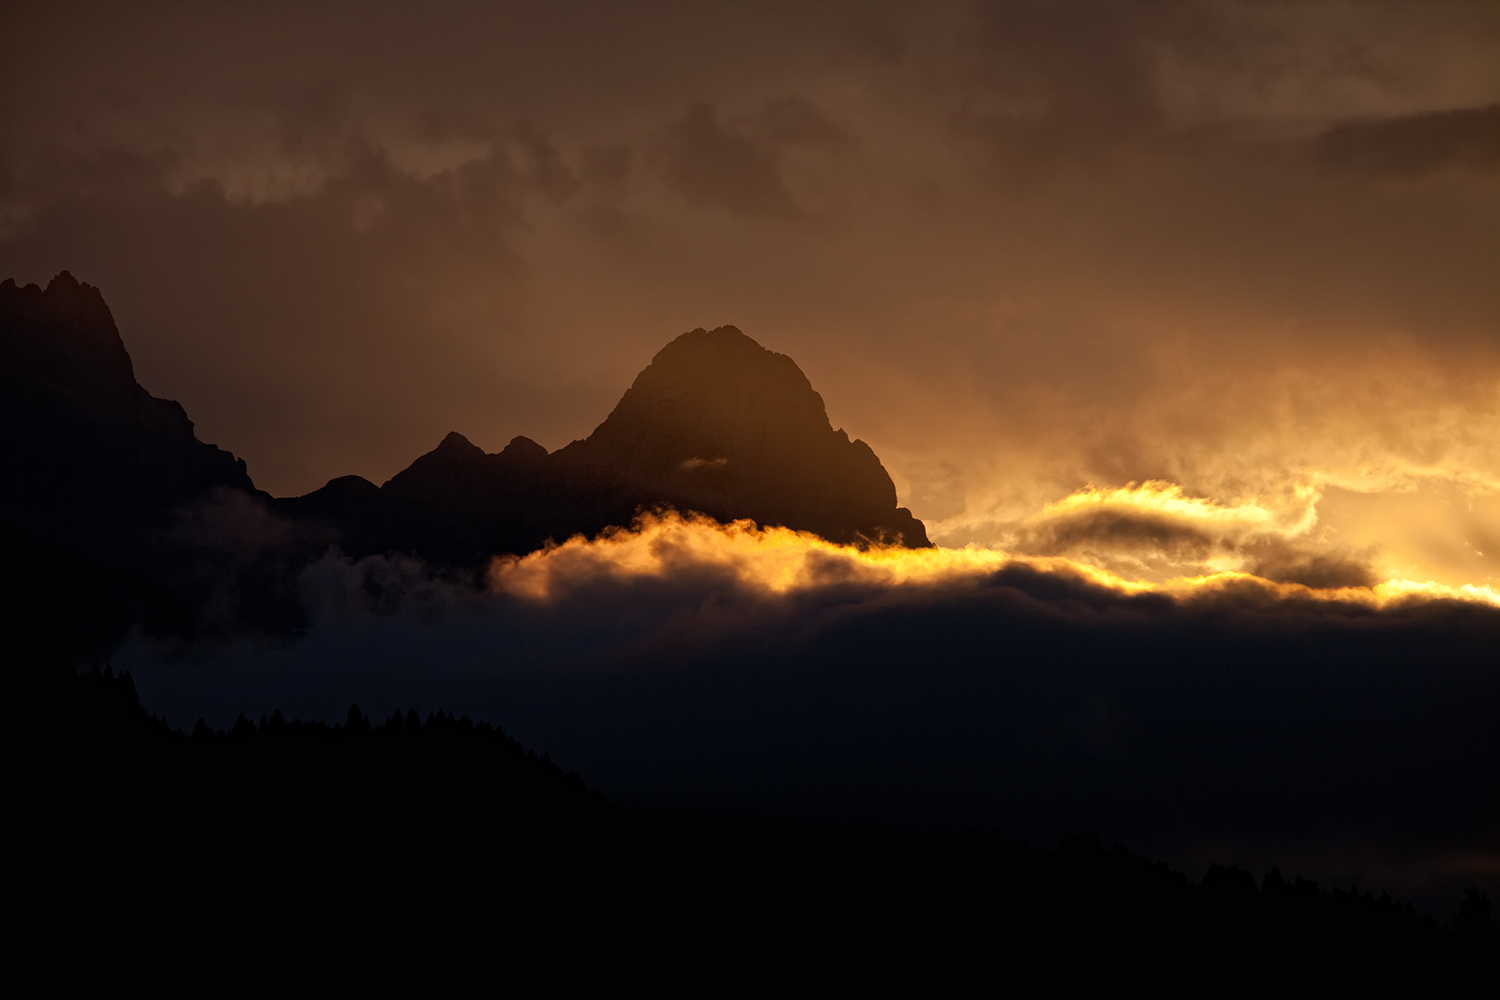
x: 438, y: 853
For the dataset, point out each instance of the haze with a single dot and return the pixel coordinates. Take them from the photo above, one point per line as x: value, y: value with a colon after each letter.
x: 1247, y: 249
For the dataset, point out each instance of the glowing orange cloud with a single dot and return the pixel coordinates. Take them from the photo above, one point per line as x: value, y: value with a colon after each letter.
x: 780, y: 561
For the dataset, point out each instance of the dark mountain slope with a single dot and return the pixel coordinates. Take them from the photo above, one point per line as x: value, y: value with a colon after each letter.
x: 112, y: 512
x: 715, y: 424
x: 91, y: 459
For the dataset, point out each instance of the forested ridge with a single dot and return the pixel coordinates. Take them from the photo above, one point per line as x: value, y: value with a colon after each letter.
x: 440, y: 848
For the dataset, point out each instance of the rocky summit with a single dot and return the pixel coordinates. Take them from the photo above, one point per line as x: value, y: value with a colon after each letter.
x: 715, y: 424
x: 718, y: 424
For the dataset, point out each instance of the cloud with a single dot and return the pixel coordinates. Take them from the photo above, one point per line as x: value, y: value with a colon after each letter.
x: 1282, y: 563
x: 545, y: 169
x: 1415, y: 145
x: 1155, y: 531
x: 1293, y: 445
x: 794, y: 123
x: 235, y: 523
x: 607, y: 167
x: 1108, y: 539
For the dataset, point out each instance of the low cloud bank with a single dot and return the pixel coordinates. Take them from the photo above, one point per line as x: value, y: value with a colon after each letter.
x: 685, y: 663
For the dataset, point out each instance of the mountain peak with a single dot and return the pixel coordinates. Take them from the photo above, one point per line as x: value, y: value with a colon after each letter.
x: 522, y: 448
x: 723, y: 344
x: 66, y: 327
x: 455, y: 443
x: 719, y: 424
x: 707, y: 393
x: 715, y: 424
x: 82, y: 305
x: 89, y: 453
x: 731, y: 376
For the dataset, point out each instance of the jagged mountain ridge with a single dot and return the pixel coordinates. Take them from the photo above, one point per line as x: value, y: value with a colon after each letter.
x: 101, y: 476
x: 715, y: 424
x: 104, y: 487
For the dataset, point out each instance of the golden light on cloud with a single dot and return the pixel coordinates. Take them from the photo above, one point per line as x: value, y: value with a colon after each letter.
x: 1378, y: 451
x: 1169, y: 499
x: 778, y: 561
x: 773, y: 560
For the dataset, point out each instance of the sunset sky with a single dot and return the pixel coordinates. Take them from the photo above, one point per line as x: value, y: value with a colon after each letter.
x: 1249, y: 252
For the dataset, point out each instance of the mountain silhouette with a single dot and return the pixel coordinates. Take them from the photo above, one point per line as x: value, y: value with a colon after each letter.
x: 103, y: 483
x: 90, y: 457
x: 718, y: 424
x: 96, y: 475
x: 715, y: 424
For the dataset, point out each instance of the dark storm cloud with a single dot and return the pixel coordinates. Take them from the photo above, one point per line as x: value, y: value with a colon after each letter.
x: 1119, y: 530
x: 1414, y: 145
x: 1071, y: 83
x: 1315, y: 570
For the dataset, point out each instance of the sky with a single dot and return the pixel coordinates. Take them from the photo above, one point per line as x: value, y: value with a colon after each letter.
x: 1223, y: 272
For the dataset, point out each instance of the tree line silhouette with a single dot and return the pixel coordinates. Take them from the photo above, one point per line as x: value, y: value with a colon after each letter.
x: 436, y: 850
